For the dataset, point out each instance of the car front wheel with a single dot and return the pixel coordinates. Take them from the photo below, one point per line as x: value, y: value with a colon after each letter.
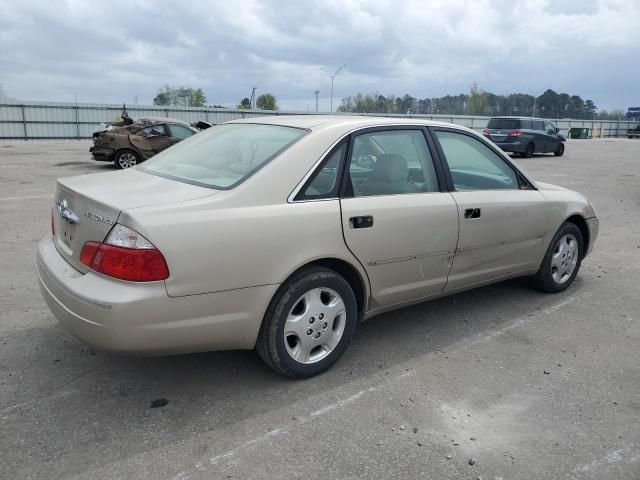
x: 560, y: 150
x: 562, y: 261
x: 308, y: 324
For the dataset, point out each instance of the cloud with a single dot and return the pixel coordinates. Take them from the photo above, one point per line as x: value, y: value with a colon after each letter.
x: 110, y: 51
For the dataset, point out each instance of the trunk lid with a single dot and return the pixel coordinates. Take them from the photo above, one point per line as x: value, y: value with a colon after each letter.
x: 86, y: 207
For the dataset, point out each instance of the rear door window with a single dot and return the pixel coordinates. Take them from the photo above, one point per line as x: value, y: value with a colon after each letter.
x: 154, y: 131
x: 180, y: 131
x: 538, y: 125
x: 392, y: 162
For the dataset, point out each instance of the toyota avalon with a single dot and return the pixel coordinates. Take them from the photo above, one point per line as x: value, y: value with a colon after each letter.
x: 280, y: 234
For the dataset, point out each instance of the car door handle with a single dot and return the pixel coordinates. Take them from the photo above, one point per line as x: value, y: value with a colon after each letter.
x: 365, y: 221
x: 472, y: 213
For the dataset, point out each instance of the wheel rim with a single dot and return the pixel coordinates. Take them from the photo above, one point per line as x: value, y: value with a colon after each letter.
x: 315, y: 325
x: 564, y: 258
x: 127, y: 160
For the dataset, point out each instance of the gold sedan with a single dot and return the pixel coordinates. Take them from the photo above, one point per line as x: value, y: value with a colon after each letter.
x: 282, y: 233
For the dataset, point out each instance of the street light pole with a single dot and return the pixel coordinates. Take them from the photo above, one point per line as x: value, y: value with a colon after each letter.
x: 335, y: 74
x: 317, y: 92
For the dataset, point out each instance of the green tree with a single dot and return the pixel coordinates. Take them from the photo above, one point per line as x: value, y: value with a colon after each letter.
x: 181, y: 96
x: 266, y: 101
x: 369, y: 103
x: 245, y: 104
x: 198, y: 98
x: 590, y: 109
x: 477, y: 103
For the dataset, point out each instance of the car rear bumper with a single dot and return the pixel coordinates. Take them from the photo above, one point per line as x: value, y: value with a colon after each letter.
x: 102, y: 154
x: 140, y: 318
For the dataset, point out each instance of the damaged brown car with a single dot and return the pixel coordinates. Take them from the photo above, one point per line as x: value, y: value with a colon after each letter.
x: 130, y: 141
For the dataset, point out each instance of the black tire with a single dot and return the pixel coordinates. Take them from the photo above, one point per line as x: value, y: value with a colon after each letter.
x: 271, y: 339
x: 528, y: 153
x: 125, y: 159
x: 544, y: 279
x: 560, y: 151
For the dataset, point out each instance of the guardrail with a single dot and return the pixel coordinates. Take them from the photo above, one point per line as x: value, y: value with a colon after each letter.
x: 54, y: 120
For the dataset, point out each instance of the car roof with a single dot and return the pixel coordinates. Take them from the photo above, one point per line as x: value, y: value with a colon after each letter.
x: 507, y: 117
x: 349, y: 122
x: 154, y: 120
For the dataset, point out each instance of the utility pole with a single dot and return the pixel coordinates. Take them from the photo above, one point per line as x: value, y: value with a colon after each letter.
x: 335, y: 74
x: 317, y: 92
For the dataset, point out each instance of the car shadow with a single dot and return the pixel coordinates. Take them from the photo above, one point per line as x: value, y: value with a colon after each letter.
x: 114, y: 403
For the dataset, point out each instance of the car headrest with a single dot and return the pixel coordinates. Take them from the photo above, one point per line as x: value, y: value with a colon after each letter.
x: 390, y: 168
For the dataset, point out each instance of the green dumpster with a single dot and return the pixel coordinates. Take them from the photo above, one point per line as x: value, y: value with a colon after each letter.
x: 579, y: 133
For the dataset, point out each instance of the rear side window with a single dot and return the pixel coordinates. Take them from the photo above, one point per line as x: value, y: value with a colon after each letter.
x: 223, y: 156
x: 326, y: 181
x: 504, y: 123
x: 538, y: 124
x: 473, y: 165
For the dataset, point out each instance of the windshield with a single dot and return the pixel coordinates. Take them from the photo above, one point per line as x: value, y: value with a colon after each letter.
x: 223, y: 156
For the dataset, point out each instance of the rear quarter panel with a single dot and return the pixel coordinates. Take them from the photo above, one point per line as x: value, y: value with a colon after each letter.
x: 211, y: 248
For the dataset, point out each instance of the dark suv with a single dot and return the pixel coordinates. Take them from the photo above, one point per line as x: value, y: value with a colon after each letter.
x: 525, y: 135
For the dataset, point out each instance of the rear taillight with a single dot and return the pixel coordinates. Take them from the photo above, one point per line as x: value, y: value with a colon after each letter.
x: 515, y: 133
x: 485, y: 132
x: 127, y: 255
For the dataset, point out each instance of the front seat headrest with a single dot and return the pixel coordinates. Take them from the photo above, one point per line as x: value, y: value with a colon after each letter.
x: 390, y: 167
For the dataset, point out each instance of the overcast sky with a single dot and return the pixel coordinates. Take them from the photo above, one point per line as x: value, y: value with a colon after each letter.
x: 113, y: 50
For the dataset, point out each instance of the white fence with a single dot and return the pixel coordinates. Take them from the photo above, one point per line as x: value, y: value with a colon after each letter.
x: 52, y: 120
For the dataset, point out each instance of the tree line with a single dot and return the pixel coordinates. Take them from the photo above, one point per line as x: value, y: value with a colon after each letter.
x: 549, y: 104
x: 195, y: 97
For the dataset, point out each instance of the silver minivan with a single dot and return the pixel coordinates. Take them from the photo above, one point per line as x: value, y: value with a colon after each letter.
x: 525, y: 135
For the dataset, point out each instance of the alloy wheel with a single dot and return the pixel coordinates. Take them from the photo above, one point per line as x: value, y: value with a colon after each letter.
x: 564, y: 258
x: 315, y: 325
x: 127, y: 160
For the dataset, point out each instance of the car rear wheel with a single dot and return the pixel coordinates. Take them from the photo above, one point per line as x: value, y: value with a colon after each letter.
x: 308, y: 324
x: 560, y: 151
x: 126, y: 159
x: 562, y: 261
x: 528, y: 153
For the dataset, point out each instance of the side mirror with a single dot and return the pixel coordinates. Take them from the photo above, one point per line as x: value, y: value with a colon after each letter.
x: 557, y: 130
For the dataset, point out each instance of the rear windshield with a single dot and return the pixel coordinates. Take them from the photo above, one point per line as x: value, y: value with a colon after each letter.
x: 504, y: 123
x: 223, y: 156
